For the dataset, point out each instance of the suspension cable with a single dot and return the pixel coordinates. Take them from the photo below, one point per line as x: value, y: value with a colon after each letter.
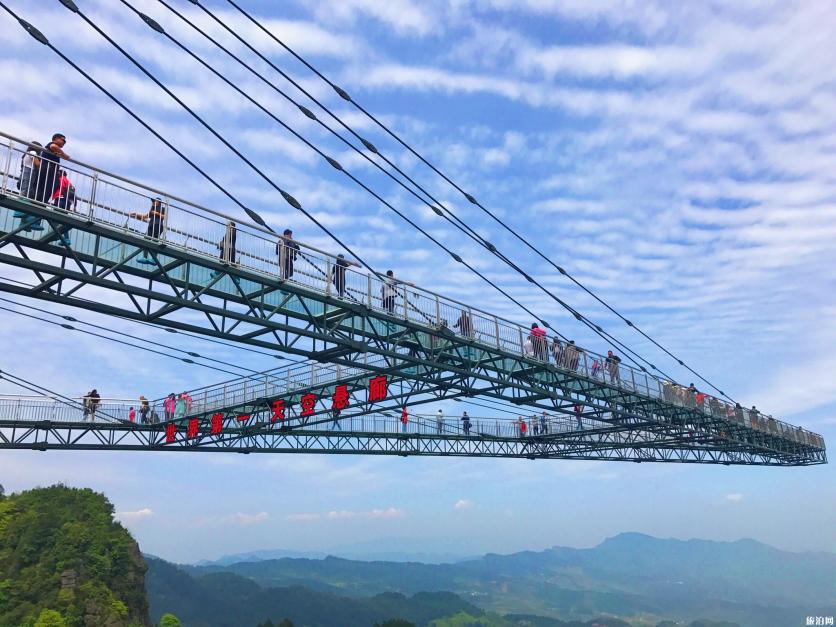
x: 71, y: 6
x: 156, y: 27
x: 469, y: 197
x: 468, y: 231
x: 69, y: 327
x: 38, y: 35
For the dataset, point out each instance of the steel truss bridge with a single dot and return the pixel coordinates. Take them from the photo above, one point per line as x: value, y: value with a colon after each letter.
x: 95, y: 256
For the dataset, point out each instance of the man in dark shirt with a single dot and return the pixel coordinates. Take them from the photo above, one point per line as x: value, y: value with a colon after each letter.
x: 338, y: 273
x: 287, y: 250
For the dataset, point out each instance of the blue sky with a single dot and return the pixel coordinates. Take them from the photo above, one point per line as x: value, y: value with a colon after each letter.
x: 676, y: 157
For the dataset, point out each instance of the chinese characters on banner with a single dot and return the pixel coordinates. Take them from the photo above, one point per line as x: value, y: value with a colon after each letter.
x: 308, y: 403
x: 378, y: 389
x: 278, y: 410
x: 340, y: 399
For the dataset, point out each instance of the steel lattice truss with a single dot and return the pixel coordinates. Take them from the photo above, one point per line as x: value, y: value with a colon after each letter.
x: 614, y: 444
x: 420, y: 362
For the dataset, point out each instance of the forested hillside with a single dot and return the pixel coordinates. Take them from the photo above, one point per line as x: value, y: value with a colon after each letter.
x: 65, y: 561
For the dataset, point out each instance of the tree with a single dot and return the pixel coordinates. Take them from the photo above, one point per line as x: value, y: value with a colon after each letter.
x: 395, y: 622
x: 170, y: 620
x: 50, y: 618
x: 286, y: 623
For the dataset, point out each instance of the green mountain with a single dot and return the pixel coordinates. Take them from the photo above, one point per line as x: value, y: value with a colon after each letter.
x: 224, y: 599
x: 630, y: 575
x: 65, y: 561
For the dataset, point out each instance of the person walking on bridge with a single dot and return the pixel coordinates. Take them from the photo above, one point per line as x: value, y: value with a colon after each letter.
x: 155, y: 217
x: 144, y: 406
x: 539, y: 341
x: 466, y: 423
x: 439, y: 422
x: 338, y: 273
x: 578, y: 414
x: 30, y: 163
x: 169, y: 406
x: 48, y: 173
x: 464, y: 324
x: 287, y: 250
x: 613, y: 363
x: 521, y: 426
x: 91, y: 403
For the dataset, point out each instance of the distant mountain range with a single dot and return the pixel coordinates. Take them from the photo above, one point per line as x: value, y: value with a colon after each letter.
x: 631, y: 575
x: 384, y: 550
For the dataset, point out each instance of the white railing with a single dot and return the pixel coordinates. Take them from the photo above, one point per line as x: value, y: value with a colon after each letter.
x: 115, y: 201
x: 44, y: 409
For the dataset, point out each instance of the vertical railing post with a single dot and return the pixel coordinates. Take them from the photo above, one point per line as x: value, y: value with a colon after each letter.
x: 7, y: 170
x: 522, y: 341
x: 165, y: 219
x: 92, y: 200
x: 405, y: 302
x: 633, y: 377
x: 496, y: 324
x: 437, y: 311
x: 369, y: 291
x: 328, y: 281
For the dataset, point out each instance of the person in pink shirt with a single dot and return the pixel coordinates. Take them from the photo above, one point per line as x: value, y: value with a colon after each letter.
x: 132, y: 415
x: 169, y: 405
x: 64, y: 194
x: 539, y: 341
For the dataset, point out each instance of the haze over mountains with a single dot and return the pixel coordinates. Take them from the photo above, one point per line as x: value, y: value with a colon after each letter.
x: 630, y: 575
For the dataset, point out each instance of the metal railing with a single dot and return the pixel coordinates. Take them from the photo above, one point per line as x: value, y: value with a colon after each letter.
x: 37, y: 409
x: 115, y: 201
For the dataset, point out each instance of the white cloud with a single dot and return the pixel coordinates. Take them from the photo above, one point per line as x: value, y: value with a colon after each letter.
x: 240, y: 518
x: 304, y: 517
x: 734, y: 498
x: 390, y: 512
x: 463, y: 504
x: 140, y: 514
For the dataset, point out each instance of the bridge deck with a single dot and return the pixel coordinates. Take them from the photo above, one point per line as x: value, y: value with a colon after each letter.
x: 47, y: 424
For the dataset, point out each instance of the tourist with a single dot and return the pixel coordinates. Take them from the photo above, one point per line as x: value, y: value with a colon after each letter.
x: 539, y: 341
x: 227, y: 244
x: 132, y: 414
x: 613, y: 362
x: 287, y: 250
x: 544, y: 423
x: 388, y: 291
x: 338, y: 273
x: 557, y: 351
x: 464, y: 324
x: 169, y: 406
x: 30, y: 163
x: 64, y: 195
x: 571, y: 355
x: 91, y: 403
x: 155, y: 217
x: 521, y: 426
x: 439, y: 421
x: 404, y: 419
x: 466, y: 423
x: 578, y: 415
x: 50, y: 158
x: 180, y: 407
x: 144, y: 406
